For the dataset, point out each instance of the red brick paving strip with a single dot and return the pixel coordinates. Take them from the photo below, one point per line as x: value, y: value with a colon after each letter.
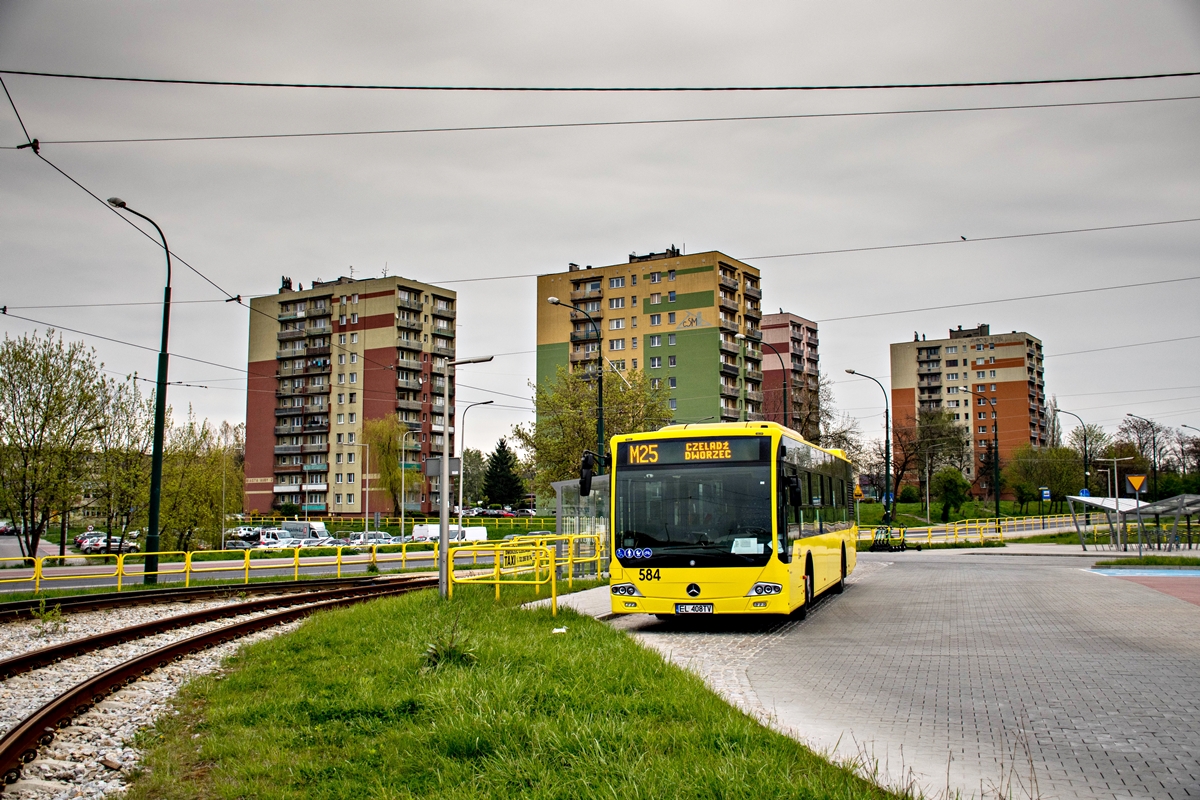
x: 1187, y: 589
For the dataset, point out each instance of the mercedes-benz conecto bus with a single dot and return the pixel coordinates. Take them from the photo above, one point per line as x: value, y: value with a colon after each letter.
x: 731, y: 518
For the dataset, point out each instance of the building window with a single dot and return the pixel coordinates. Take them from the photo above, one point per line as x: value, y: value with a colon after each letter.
x: 670, y: 274
x: 341, y: 319
x: 352, y: 417
x: 655, y: 319
x: 671, y: 318
x: 993, y: 389
x: 341, y: 358
x: 616, y: 283
x: 671, y: 403
x: 616, y: 302
x: 616, y: 344
x: 350, y: 440
x: 670, y: 338
x: 633, y: 322
x: 349, y: 458
x: 337, y: 499
x: 353, y: 397
x: 983, y: 428
x: 670, y: 297
x: 341, y: 378
x: 656, y: 277
x: 655, y: 362
x: 337, y: 478
x: 633, y: 282
x: 992, y: 373
x: 633, y: 345
x: 341, y: 419
x: 354, y: 358
x: 991, y: 345
x: 983, y: 415
x: 952, y: 376
x: 354, y: 337
x: 616, y: 324
x: 979, y: 374
x: 653, y: 341
x: 670, y: 361
x: 337, y: 458
x: 671, y: 384
x: 350, y: 499
x: 354, y: 377
x: 341, y: 399
x: 655, y: 382
x: 619, y: 364
x: 655, y: 298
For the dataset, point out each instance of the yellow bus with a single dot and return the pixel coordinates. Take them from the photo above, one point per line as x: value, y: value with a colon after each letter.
x: 729, y: 518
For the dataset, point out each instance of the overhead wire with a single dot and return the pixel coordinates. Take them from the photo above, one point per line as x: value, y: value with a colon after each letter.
x: 608, y: 123
x: 603, y: 89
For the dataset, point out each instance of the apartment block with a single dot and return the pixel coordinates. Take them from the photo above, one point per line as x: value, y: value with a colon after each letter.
x: 675, y: 317
x: 993, y: 384
x: 323, y: 361
x: 793, y: 384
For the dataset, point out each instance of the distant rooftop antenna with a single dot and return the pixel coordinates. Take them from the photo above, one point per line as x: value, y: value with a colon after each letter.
x: 385, y: 269
x: 351, y: 270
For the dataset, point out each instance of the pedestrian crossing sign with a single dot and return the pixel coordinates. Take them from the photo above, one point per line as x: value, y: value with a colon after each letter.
x: 1136, y: 483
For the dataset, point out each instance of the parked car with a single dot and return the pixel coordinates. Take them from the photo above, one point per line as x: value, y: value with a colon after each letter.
x: 118, y: 544
x: 526, y: 512
x: 368, y: 538
x: 305, y: 530
x: 238, y: 544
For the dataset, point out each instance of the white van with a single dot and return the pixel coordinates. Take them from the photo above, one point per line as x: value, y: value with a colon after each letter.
x: 306, y: 530
x: 430, y: 533
x: 270, y: 537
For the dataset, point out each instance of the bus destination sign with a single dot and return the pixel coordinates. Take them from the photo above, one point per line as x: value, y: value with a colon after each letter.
x: 687, y: 451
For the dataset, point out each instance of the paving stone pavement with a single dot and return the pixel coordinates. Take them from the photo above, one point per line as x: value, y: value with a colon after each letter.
x: 976, y: 675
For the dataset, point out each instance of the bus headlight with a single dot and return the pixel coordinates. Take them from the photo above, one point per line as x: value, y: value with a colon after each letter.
x: 626, y: 589
x: 764, y: 588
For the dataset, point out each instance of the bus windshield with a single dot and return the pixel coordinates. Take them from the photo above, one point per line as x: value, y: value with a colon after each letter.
x: 693, y: 516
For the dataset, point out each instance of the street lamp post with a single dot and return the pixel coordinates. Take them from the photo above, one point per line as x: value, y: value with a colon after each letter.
x: 444, y: 483
x: 150, y: 567
x: 554, y: 301
x: 403, y: 474
x: 1086, y: 463
x: 888, y: 501
x: 462, y: 456
x: 787, y: 395
x: 995, y: 444
x: 1153, y: 454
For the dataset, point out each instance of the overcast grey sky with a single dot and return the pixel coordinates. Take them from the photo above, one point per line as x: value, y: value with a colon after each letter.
x: 445, y: 206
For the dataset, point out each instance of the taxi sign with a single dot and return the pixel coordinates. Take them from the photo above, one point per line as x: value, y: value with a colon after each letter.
x: 1136, y: 483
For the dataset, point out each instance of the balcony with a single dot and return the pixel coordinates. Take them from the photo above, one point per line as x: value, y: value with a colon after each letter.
x: 412, y: 366
x: 288, y: 391
x: 314, y: 507
x: 318, y: 369
x: 579, y: 316
x: 287, y: 468
x: 298, y: 352
x: 579, y: 358
x: 580, y: 295
x: 442, y: 351
x: 446, y: 333
x: 728, y: 347
x: 314, y: 448
x: 321, y: 350
x: 728, y: 326
x: 285, y: 336
x: 730, y: 391
x: 590, y: 334
x: 287, y: 449
x: 729, y: 305
x: 727, y: 282
x: 408, y: 405
x: 754, y: 334
x: 754, y: 397
x: 325, y: 331
x: 753, y: 313
x: 409, y: 324
x: 287, y: 488
x: 444, y: 313
x: 316, y: 467
x: 321, y: 427
x: 752, y: 292
x: 288, y: 411
x: 729, y: 369
x: 314, y: 487
x: 729, y: 414
x: 405, y: 383
x: 286, y: 430
x: 410, y: 305
x: 754, y: 375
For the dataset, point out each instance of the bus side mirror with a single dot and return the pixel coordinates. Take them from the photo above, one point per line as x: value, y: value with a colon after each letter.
x: 586, y: 468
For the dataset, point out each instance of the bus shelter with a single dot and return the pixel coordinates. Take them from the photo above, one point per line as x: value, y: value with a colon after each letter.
x: 1115, y: 510
x: 1181, y: 506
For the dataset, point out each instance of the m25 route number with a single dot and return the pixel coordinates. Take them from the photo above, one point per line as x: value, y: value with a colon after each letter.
x: 643, y: 454
x: 649, y: 575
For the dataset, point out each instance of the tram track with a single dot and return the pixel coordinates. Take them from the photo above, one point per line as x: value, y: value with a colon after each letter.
x: 19, y: 745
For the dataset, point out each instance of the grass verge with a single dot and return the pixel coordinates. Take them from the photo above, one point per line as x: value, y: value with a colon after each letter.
x: 1152, y: 561
x: 349, y: 706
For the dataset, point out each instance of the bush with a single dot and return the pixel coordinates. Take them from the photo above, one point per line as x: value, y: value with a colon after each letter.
x: 910, y: 494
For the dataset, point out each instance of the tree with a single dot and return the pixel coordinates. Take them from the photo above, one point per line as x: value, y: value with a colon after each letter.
x: 472, y: 475
x: 950, y: 487
x: 924, y: 444
x: 1059, y: 469
x: 837, y: 430
x: 501, y: 482
x: 51, y: 408
x: 566, y: 420
x: 120, y: 479
x: 384, y: 436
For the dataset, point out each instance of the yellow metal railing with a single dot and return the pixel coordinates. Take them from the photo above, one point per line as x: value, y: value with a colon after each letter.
x: 354, y: 523
x: 513, y: 565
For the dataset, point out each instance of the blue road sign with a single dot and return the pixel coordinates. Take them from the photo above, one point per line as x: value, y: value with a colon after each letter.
x: 1045, y: 494
x: 1084, y: 493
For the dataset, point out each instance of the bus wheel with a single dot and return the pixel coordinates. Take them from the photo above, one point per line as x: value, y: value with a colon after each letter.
x: 840, y: 586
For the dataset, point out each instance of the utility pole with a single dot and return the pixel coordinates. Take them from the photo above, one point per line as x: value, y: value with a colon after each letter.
x: 889, y: 502
x: 444, y: 485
